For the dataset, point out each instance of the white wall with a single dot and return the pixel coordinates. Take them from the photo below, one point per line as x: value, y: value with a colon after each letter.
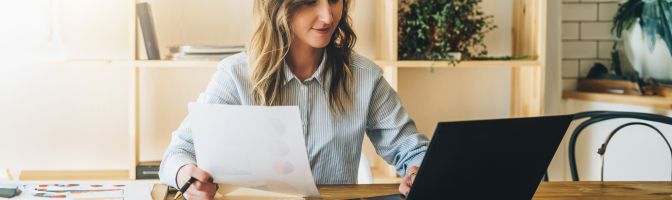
x: 499, y: 40
x: 65, y: 30
x: 64, y: 116
x: 553, y: 104
x: 586, y: 37
x: 635, y: 154
x: 454, y: 95
x: 165, y: 93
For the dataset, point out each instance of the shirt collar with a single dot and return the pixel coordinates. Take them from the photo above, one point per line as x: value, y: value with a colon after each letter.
x: 289, y: 75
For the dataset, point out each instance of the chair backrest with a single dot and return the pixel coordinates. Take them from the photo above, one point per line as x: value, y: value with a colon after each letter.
x: 593, y: 117
x: 364, y: 172
x: 5, y: 175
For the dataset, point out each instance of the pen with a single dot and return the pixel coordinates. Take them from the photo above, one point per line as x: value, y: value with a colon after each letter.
x: 184, y: 187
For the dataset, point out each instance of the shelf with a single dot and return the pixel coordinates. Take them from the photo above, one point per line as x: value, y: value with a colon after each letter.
x: 175, y: 64
x: 398, y: 64
x: 75, y: 175
x: 470, y: 64
x: 647, y: 101
x: 137, y: 63
x: 213, y: 64
x: 78, y: 63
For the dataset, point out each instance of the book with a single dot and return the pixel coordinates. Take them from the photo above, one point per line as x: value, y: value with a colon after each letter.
x: 193, y: 49
x: 8, y: 191
x: 144, y: 13
x: 203, y: 52
x: 147, y: 170
x: 198, y: 57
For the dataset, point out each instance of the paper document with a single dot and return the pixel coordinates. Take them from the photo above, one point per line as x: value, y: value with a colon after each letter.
x: 258, y: 147
x: 80, y: 190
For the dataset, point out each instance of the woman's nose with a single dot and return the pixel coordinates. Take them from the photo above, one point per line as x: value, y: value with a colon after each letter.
x: 324, y: 12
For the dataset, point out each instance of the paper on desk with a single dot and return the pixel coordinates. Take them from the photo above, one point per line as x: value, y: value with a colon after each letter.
x: 76, y: 190
x: 253, y: 146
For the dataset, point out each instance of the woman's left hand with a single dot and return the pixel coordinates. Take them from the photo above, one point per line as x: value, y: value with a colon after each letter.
x: 408, y: 179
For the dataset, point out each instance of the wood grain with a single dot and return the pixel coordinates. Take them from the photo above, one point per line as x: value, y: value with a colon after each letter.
x: 550, y: 190
x: 648, y: 101
x: 606, y: 190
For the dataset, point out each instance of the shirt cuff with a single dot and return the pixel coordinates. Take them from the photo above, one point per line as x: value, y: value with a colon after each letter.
x: 415, y: 161
x: 170, y: 167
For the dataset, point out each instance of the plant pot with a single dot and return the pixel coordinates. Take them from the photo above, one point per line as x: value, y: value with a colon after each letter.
x: 656, y: 64
x: 456, y: 56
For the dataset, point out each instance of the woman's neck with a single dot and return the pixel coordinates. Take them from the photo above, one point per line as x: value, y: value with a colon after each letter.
x: 304, y: 60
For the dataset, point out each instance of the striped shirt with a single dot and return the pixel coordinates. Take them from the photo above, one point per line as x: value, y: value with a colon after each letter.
x: 333, y: 142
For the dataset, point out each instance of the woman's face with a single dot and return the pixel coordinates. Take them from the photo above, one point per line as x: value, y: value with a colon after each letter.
x: 314, y: 23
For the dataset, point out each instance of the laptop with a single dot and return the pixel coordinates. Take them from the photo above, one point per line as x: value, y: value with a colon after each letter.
x: 488, y: 159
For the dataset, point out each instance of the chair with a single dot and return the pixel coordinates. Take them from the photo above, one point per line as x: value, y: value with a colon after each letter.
x: 5, y: 175
x: 594, y: 117
x: 364, y: 172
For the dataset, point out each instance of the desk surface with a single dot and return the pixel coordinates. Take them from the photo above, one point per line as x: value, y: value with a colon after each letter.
x: 606, y: 190
x: 551, y: 190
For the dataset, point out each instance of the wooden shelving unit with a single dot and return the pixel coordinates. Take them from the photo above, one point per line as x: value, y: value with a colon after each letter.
x: 470, y: 63
x: 526, y: 81
x: 528, y: 39
x: 175, y: 64
x: 648, y: 101
x: 398, y: 64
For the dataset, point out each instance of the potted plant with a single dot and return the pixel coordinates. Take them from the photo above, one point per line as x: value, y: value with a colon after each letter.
x: 645, y: 28
x: 442, y: 29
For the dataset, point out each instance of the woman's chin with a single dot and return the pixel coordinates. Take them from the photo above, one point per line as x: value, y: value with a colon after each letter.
x: 318, y: 44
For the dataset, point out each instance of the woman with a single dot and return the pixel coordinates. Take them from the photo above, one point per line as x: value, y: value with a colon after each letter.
x: 301, y: 55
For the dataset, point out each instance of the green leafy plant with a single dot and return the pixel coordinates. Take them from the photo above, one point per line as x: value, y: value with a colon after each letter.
x: 431, y: 29
x: 655, y: 17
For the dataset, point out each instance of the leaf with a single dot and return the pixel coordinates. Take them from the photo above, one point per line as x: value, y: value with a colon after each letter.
x: 432, y: 28
x: 649, y: 22
x: 627, y: 14
x: 666, y: 23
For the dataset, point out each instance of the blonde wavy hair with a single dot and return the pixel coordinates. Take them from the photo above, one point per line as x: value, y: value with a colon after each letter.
x: 269, y: 46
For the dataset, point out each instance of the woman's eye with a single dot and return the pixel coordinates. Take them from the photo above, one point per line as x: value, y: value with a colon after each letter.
x: 334, y: 1
x: 311, y: 3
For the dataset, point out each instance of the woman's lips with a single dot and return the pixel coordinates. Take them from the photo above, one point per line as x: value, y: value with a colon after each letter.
x: 322, y: 31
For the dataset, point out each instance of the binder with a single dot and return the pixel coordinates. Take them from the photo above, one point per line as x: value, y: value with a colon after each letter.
x: 144, y: 13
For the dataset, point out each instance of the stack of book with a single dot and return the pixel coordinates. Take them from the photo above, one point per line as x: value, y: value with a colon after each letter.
x: 147, y: 170
x: 188, y: 52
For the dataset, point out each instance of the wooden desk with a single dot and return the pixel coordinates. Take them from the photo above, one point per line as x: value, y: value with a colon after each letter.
x: 608, y: 190
x: 551, y: 190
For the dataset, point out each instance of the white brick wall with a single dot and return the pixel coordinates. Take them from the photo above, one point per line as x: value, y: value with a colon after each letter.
x: 586, y: 37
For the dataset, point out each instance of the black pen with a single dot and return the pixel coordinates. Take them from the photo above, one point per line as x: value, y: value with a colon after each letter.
x: 185, y: 187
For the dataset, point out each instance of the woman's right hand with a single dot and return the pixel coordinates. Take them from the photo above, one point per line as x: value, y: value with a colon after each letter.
x: 201, y: 189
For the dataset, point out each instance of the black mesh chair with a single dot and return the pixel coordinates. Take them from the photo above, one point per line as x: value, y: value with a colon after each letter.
x: 599, y: 116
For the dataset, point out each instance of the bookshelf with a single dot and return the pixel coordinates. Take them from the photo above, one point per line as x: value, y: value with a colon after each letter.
x: 526, y: 82
x: 203, y: 22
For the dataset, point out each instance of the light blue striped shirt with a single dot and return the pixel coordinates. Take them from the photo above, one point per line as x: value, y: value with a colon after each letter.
x: 333, y: 142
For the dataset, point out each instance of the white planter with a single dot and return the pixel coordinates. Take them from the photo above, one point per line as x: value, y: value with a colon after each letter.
x: 455, y: 55
x: 656, y: 64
